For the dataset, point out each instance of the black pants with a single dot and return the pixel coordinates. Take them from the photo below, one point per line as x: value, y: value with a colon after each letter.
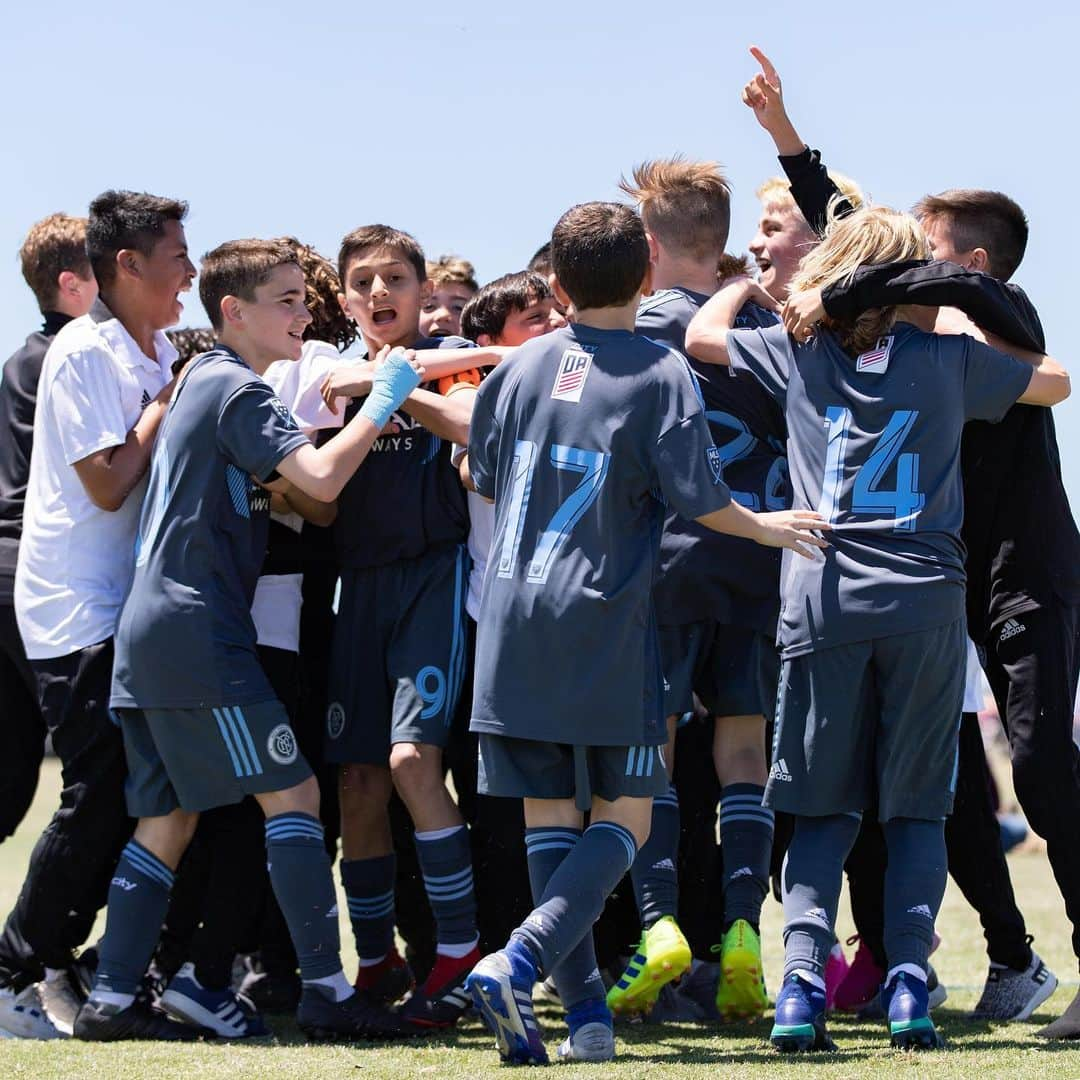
x: 23, y: 726
x: 1033, y: 673
x: 74, y: 859
x: 976, y: 862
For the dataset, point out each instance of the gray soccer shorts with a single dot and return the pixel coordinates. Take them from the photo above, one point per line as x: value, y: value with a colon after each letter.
x: 529, y: 769
x: 873, y: 722
x: 197, y: 759
x: 399, y: 656
x: 717, y: 662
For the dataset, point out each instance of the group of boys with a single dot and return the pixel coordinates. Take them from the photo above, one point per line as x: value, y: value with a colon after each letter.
x: 560, y: 580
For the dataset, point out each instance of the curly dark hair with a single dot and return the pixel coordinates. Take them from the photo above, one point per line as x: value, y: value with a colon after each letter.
x: 190, y: 343
x: 329, y: 323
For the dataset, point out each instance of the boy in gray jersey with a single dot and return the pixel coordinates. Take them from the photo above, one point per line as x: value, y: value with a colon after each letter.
x: 581, y: 438
x: 872, y: 636
x: 201, y: 725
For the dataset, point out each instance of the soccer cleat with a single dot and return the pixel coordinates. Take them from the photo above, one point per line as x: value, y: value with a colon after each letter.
x: 501, y: 988
x: 906, y: 1002
x: 740, y: 993
x: 693, y: 999
x: 936, y: 991
x: 594, y: 1041
x: 836, y: 969
x: 799, y: 1027
x: 387, y: 981
x: 322, y: 1019
x: 663, y: 955
x: 23, y: 1016
x: 443, y: 999
x: 271, y: 992
x: 219, y: 1011
x: 861, y: 984
x: 62, y: 999
x: 98, y: 1022
x: 1009, y: 994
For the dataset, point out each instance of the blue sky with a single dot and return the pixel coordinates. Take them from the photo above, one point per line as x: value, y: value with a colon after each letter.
x: 475, y: 126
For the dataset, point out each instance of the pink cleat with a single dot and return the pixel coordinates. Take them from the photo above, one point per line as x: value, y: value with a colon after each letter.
x: 836, y: 969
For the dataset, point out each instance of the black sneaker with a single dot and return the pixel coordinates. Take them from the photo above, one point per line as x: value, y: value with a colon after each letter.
x: 321, y: 1018
x: 272, y: 993
x: 443, y: 999
x: 97, y: 1022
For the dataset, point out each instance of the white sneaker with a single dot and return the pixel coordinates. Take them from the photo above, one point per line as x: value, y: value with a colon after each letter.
x: 22, y: 1016
x: 591, y: 1042
x: 61, y: 1001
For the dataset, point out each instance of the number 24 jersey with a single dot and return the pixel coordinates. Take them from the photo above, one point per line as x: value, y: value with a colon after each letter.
x: 874, y: 446
x: 581, y: 437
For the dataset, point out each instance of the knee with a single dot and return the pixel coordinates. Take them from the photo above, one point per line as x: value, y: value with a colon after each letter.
x: 364, y: 789
x: 415, y: 768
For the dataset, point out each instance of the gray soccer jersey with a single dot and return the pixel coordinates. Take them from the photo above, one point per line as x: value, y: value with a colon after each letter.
x: 874, y: 446
x: 185, y: 638
x: 578, y: 437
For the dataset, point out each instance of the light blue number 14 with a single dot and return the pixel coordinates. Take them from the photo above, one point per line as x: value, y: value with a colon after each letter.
x: 593, y: 467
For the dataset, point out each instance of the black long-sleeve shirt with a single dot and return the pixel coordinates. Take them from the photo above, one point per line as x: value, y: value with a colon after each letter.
x: 1022, y: 541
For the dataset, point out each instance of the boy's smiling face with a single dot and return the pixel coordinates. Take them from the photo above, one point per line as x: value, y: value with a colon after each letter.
x: 782, y: 239
x: 273, y: 324
x: 384, y: 296
x: 540, y: 317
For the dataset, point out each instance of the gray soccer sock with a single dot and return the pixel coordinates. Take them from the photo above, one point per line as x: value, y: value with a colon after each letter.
x: 446, y: 863
x: 576, y: 892
x: 914, y: 886
x: 138, y: 900
x: 576, y: 977
x: 655, y: 880
x: 304, y: 888
x: 812, y: 876
x: 746, y: 837
x: 369, y: 890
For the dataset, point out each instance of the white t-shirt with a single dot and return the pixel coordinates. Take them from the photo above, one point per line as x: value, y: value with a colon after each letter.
x: 76, y: 560
x: 275, y: 609
x: 481, y: 533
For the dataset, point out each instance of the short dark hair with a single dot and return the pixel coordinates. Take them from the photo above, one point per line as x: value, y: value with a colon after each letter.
x: 540, y: 263
x: 53, y: 245
x: 126, y: 219
x: 599, y: 254
x: 369, y: 237
x: 488, y: 310
x: 237, y: 268
x: 986, y: 219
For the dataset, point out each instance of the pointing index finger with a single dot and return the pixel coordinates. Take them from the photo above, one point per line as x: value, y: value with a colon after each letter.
x: 766, y: 66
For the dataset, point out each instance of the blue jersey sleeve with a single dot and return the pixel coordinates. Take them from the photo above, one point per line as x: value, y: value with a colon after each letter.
x: 765, y: 354
x: 256, y: 430
x: 992, y: 380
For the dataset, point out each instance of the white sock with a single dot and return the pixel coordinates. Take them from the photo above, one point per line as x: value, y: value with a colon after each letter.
x: 439, y: 834
x: 811, y: 977
x: 107, y: 997
x: 336, y: 982
x: 457, y: 951
x: 368, y: 962
x: 908, y: 969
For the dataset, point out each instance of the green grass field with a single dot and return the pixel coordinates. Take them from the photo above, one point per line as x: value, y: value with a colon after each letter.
x: 684, y: 1050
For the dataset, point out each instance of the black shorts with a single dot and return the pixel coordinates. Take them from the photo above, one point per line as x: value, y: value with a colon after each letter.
x: 718, y: 662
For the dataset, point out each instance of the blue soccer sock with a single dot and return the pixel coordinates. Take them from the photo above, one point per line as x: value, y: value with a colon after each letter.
x: 746, y: 839
x: 576, y: 977
x: 369, y: 889
x: 138, y: 900
x: 304, y: 887
x: 915, y: 879
x: 812, y: 876
x: 445, y: 859
x: 654, y: 876
x: 576, y: 892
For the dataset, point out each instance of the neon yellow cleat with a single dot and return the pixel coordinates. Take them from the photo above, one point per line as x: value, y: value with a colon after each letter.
x: 663, y: 955
x: 740, y: 994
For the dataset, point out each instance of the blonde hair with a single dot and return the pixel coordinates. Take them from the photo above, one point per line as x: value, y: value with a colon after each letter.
x: 452, y: 270
x: 776, y: 191
x: 869, y: 236
x: 686, y: 205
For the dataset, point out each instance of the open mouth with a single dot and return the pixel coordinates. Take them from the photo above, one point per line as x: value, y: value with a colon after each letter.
x: 763, y: 265
x: 383, y: 316
x: 297, y: 335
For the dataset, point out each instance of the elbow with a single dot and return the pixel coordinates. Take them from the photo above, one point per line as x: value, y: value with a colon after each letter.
x: 706, y: 348
x: 1063, y: 388
x: 107, y: 499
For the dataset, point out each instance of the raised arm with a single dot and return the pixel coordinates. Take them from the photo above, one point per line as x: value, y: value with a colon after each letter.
x: 706, y: 336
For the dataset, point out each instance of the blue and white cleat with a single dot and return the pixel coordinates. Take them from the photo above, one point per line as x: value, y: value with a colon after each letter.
x: 906, y: 1002
x: 219, y: 1011
x: 799, y: 1026
x: 592, y: 1037
x: 501, y: 988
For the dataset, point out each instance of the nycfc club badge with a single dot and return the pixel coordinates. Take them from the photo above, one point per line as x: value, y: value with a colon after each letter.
x: 716, y: 463
x: 335, y: 720
x: 876, y: 361
x: 570, y: 378
x: 281, y: 745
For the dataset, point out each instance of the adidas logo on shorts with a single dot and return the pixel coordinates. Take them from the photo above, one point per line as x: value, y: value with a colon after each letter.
x: 663, y: 864
x: 779, y: 771
x: 1011, y: 629
x: 920, y: 909
x: 743, y: 871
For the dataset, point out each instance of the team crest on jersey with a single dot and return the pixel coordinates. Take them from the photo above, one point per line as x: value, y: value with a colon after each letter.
x: 876, y: 361
x: 335, y: 720
x: 570, y: 378
x: 281, y: 745
x: 282, y: 410
x: 716, y: 463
